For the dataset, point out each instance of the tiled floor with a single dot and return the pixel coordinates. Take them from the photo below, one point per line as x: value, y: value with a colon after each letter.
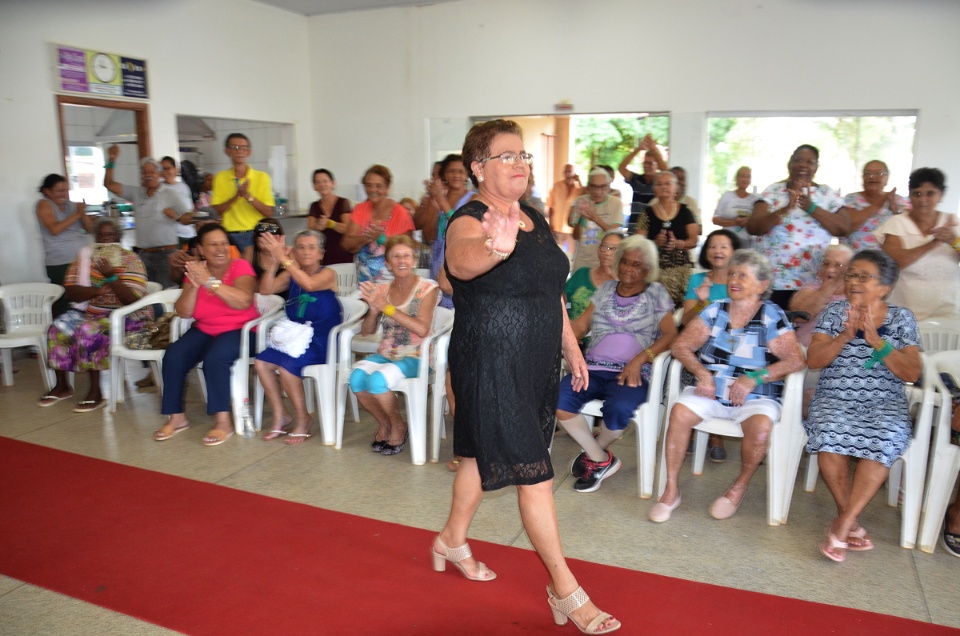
x: 608, y: 526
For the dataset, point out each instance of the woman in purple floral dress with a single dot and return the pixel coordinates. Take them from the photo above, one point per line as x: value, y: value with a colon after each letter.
x: 102, y: 278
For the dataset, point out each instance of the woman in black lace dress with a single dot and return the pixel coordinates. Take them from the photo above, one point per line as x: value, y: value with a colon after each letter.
x: 507, y: 275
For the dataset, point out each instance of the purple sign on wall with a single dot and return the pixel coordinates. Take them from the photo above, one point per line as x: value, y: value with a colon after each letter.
x: 82, y: 71
x: 72, y: 69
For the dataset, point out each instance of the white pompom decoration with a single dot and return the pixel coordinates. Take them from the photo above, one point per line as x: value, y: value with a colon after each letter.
x: 291, y: 338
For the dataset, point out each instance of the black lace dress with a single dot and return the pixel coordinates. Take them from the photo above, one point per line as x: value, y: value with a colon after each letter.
x: 505, y: 357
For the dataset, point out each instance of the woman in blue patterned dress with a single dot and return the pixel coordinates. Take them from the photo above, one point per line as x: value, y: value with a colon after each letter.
x: 312, y: 300
x: 867, y: 350
x: 739, y: 350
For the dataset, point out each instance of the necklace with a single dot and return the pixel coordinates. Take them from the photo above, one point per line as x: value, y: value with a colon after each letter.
x: 667, y: 219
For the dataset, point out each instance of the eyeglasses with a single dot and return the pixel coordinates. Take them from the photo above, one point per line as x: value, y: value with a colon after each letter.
x: 875, y: 173
x: 863, y: 277
x: 510, y: 158
x: 239, y: 148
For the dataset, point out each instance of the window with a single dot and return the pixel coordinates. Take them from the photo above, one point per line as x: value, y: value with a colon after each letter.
x: 846, y: 143
x: 85, y: 168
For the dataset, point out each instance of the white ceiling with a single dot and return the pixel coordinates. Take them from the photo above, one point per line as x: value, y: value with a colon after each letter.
x: 317, y: 7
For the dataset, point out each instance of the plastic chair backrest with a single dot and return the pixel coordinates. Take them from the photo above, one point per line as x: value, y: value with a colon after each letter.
x: 346, y: 278
x: 28, y: 305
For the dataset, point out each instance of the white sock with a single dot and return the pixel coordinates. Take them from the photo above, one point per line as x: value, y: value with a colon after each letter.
x: 607, y: 436
x: 577, y: 428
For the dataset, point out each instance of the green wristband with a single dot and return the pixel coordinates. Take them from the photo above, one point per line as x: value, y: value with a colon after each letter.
x: 381, y: 239
x: 107, y: 281
x: 813, y: 206
x: 878, y: 355
x: 109, y: 165
x: 757, y: 376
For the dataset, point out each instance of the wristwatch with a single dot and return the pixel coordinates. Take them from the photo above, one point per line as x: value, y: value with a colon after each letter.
x: 215, y: 285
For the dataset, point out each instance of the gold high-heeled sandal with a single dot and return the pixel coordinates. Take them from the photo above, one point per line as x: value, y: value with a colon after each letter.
x: 563, y: 607
x: 455, y: 556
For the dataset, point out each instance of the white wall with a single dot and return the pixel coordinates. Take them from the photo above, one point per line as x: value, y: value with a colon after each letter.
x: 378, y: 75
x: 360, y: 87
x: 222, y: 58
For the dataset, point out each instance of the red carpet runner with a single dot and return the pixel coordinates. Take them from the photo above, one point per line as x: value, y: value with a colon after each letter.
x: 204, y: 559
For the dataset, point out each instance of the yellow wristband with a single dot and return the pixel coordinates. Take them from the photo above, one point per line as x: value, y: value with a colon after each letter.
x: 287, y: 263
x: 389, y: 310
x: 650, y: 353
x: 331, y: 224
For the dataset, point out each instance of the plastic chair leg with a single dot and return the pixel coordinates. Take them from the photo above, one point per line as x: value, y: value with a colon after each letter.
x: 813, y: 472
x: 699, y: 451
x: 7, y: 357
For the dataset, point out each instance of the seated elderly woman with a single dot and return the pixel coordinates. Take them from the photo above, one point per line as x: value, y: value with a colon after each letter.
x: 102, y: 278
x: 405, y: 307
x: 218, y: 293
x: 312, y: 302
x: 739, y: 351
x: 867, y: 350
x: 580, y: 287
x: 631, y: 321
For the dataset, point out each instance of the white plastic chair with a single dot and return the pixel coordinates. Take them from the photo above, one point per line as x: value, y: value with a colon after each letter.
x: 321, y: 379
x: 346, y: 278
x: 783, y: 456
x: 944, y: 464
x: 267, y: 305
x: 414, y: 389
x: 438, y: 395
x: 153, y: 287
x: 647, y: 419
x: 27, y: 313
x: 119, y: 352
x: 915, y: 461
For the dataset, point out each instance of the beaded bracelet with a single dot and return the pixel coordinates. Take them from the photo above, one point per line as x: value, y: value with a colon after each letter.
x: 650, y: 353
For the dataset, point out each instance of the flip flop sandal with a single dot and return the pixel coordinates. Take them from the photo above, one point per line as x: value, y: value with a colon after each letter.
x: 85, y: 406
x: 301, y: 437
x: 161, y: 436
x: 859, y: 535
x: 274, y: 434
x: 830, y: 544
x: 215, y: 438
x: 50, y: 400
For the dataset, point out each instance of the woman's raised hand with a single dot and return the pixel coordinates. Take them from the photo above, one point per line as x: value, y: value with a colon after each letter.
x: 893, y: 203
x: 197, y: 272
x: 501, y: 229
x: 113, y: 152
x: 373, y: 295
x: 274, y: 245
x: 103, y: 266
x: 853, y: 322
x: 794, y: 198
x: 703, y: 291
x: 868, y: 325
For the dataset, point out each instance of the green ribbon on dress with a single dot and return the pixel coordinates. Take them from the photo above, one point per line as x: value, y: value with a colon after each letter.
x: 302, y: 301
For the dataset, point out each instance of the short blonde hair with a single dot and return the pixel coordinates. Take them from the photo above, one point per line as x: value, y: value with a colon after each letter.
x: 647, y: 248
